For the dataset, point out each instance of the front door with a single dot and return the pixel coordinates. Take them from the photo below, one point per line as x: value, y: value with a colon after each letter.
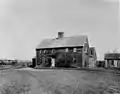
x: 53, y: 62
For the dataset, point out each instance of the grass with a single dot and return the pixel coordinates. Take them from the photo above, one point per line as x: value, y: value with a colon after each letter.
x: 60, y: 82
x: 15, y: 88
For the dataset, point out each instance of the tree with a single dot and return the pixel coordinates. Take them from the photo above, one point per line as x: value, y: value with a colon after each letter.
x: 62, y: 59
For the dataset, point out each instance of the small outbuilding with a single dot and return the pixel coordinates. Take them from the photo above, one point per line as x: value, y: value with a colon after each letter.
x: 112, y: 60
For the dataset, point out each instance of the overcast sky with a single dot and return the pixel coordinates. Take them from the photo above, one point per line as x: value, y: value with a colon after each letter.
x: 24, y: 23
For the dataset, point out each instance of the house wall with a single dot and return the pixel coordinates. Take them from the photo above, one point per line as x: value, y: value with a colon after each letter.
x: 92, y: 58
x: 39, y: 57
x: 77, y: 55
x: 42, y: 58
x: 92, y: 62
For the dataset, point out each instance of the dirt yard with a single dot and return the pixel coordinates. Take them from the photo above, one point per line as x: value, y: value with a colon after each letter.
x: 49, y: 81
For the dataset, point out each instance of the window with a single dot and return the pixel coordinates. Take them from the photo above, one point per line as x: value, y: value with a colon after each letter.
x: 44, y: 51
x: 66, y: 50
x: 40, y: 51
x: 53, y: 50
x: 91, y: 52
x: 74, y: 50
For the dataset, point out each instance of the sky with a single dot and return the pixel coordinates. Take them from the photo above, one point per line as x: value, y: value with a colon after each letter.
x: 25, y: 23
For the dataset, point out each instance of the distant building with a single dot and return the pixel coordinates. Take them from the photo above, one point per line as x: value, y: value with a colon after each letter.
x: 92, y: 57
x: 112, y: 60
x: 77, y: 47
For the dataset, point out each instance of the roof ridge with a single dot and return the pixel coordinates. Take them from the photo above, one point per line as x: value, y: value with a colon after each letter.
x: 65, y: 37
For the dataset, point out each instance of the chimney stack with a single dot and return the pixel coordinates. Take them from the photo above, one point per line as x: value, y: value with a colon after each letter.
x: 60, y: 35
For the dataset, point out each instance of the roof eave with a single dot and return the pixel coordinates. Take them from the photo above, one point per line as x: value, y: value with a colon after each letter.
x: 58, y: 47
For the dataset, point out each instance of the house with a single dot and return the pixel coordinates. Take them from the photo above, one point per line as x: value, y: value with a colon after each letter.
x: 92, y: 57
x: 73, y: 49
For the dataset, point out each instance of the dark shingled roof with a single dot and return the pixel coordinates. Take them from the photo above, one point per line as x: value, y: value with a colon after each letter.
x: 63, y: 42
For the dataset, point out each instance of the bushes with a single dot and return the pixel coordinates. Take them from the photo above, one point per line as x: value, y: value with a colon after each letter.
x: 63, y: 60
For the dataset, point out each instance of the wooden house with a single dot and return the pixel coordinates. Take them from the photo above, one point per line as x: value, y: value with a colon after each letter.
x: 75, y: 48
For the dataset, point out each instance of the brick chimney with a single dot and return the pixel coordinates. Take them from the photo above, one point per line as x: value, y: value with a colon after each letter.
x: 60, y: 35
